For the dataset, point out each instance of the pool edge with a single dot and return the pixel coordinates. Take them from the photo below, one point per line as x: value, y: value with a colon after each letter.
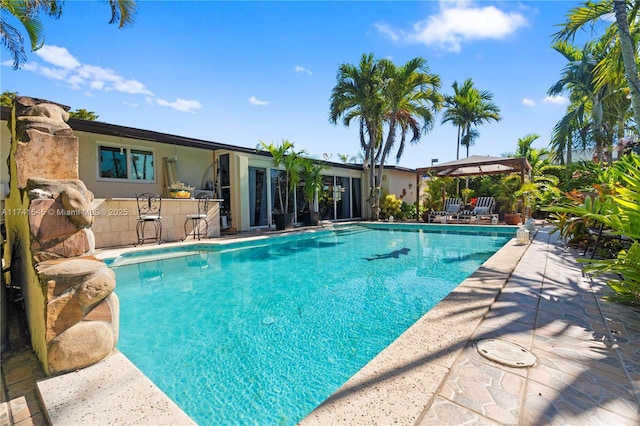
x: 399, y: 384
x: 370, y: 407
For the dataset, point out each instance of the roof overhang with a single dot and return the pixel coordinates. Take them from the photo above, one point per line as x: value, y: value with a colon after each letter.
x: 477, y: 165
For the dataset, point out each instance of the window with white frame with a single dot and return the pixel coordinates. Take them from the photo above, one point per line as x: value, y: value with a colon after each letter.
x: 126, y: 164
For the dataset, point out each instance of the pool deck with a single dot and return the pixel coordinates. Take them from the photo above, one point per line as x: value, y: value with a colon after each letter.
x: 587, y: 368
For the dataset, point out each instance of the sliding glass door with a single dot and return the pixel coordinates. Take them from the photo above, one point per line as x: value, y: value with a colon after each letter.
x: 258, y: 197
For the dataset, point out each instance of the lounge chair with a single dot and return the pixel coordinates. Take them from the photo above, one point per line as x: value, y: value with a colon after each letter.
x: 451, y: 208
x: 483, y: 209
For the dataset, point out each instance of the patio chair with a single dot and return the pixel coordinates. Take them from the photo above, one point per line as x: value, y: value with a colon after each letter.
x: 451, y: 208
x: 483, y: 209
x: 600, y: 234
x: 149, y: 206
x: 197, y: 218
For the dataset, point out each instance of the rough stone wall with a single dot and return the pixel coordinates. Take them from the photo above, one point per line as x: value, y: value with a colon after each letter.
x: 49, y: 220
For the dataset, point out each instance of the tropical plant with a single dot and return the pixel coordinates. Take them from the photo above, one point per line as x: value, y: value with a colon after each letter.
x: 6, y: 99
x: 585, y: 114
x: 312, y: 180
x: 436, y: 191
x: 357, y: 95
x: 467, y: 193
x: 83, y: 114
x: 507, y: 192
x: 287, y: 162
x: 378, y: 93
x: 408, y: 211
x: 616, y: 205
x: 622, y: 37
x: 466, y: 108
x: 27, y: 13
x: 411, y: 99
x: 390, y: 206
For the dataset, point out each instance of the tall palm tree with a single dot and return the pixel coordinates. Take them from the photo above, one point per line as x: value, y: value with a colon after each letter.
x: 380, y: 95
x: 453, y: 109
x: 412, y: 99
x: 480, y: 109
x: 586, y: 96
x: 623, y: 37
x: 467, y: 108
x: 469, y: 139
x: 27, y: 13
x: 357, y: 95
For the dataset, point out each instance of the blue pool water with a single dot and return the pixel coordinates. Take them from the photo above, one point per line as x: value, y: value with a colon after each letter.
x: 263, y: 333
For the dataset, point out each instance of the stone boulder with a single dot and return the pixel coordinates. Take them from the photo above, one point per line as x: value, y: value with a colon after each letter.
x: 82, y: 312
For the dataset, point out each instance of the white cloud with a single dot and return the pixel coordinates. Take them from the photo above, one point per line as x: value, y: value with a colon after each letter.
x: 256, y: 101
x: 133, y: 87
x: 60, y: 65
x: 458, y: 22
x: 556, y: 100
x: 386, y: 29
x: 58, y: 56
x: 180, y: 104
x: 300, y: 69
x: 59, y: 74
x: 528, y: 102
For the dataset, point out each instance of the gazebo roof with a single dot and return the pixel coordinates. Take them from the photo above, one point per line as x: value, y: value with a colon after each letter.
x: 477, y: 165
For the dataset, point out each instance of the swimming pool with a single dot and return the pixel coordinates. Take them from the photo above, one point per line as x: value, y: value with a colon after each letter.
x: 263, y: 332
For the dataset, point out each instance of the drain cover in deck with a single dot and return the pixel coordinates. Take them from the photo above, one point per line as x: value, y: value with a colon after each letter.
x: 506, y: 353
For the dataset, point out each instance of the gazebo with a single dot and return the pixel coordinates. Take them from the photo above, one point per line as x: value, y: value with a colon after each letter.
x: 474, y: 166
x: 477, y: 165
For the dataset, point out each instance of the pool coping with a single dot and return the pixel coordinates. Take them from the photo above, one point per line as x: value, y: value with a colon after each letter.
x: 396, y: 386
x: 399, y: 384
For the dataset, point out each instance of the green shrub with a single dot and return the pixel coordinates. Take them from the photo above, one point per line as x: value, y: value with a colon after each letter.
x: 390, y: 206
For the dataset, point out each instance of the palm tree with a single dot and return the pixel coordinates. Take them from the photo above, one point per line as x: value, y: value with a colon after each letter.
x: 357, y: 95
x: 287, y: 161
x: 27, y: 13
x: 378, y: 93
x: 481, y: 109
x: 622, y: 36
x: 469, y: 107
x: 586, y: 97
x: 412, y: 99
x: 454, y: 112
x: 469, y: 139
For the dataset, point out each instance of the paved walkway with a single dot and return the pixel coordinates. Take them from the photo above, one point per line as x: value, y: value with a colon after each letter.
x: 587, y: 350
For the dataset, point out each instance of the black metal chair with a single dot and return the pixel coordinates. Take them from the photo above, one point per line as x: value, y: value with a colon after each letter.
x: 600, y: 234
x: 149, y: 206
x: 196, y: 218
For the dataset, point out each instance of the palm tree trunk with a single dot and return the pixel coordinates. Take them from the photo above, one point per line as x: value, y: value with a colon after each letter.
x: 458, y: 146
x: 628, y: 57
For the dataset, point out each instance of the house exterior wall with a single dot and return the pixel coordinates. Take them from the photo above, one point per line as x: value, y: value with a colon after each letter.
x: 196, y: 167
x: 401, y: 183
x: 242, y: 162
x: 193, y: 165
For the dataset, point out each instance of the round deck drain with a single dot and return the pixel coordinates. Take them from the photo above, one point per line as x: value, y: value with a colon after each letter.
x: 506, y: 353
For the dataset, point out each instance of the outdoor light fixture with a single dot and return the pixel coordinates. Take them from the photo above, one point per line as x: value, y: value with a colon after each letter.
x: 522, y: 235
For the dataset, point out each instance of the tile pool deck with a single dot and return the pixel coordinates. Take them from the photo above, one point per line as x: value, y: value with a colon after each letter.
x: 587, y: 370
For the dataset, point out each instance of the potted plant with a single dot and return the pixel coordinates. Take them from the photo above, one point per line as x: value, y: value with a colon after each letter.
x: 180, y: 190
x: 288, y: 161
x: 507, y: 196
x: 312, y: 181
x: 466, y: 196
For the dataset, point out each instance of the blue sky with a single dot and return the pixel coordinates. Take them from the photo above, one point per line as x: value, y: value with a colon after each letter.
x: 241, y: 72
